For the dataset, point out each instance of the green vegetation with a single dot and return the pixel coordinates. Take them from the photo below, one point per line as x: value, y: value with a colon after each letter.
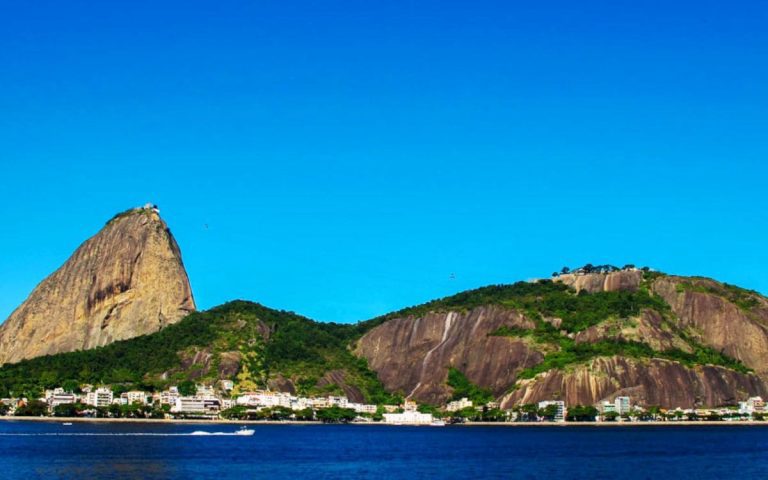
x: 33, y: 408
x: 582, y: 413
x: 254, y: 345
x: 272, y: 342
x: 545, y: 298
x: 575, y: 353
x: 336, y: 414
x: 462, y: 388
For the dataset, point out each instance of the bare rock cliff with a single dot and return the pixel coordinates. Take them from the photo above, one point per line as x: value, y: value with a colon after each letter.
x: 412, y: 355
x: 603, y: 282
x: 127, y: 280
x: 708, y: 307
x: 650, y: 382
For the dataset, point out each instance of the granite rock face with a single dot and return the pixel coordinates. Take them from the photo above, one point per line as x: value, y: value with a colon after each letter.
x: 704, y: 305
x: 628, y: 280
x: 127, y: 280
x: 412, y: 355
x: 649, y: 382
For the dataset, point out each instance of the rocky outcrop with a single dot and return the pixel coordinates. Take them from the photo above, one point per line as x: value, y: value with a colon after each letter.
x: 338, y: 378
x: 703, y: 305
x: 412, y: 355
x: 628, y: 280
x: 648, y: 328
x: 649, y: 382
x: 127, y: 280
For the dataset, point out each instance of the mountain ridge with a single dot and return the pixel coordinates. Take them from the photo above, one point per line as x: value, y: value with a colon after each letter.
x: 522, y: 342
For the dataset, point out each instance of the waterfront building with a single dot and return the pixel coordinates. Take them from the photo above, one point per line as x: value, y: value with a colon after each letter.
x: 622, y: 405
x: 607, y: 407
x: 61, y: 398
x: 362, y: 408
x: 201, y: 405
x: 457, y: 405
x: 409, y: 417
x: 101, y: 397
x: 560, y: 412
x: 169, y: 397
x: 264, y: 398
x: 755, y: 404
x: 134, y: 396
x: 205, y: 391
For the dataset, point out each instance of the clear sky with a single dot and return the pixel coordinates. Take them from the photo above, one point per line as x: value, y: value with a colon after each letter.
x: 349, y: 157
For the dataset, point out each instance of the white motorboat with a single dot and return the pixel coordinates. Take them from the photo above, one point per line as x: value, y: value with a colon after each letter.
x: 245, y: 431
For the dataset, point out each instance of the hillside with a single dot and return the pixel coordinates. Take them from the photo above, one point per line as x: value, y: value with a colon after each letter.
x: 266, y: 347
x: 581, y: 337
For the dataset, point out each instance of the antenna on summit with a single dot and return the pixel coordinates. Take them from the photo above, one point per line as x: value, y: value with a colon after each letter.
x: 151, y: 206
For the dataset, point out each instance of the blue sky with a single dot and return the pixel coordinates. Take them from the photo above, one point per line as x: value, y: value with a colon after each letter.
x: 348, y: 157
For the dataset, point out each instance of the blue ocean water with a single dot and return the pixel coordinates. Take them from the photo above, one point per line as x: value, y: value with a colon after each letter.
x: 138, y: 451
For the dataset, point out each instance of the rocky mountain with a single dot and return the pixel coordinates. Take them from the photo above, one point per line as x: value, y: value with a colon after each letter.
x: 582, y: 337
x: 585, y: 337
x: 125, y: 281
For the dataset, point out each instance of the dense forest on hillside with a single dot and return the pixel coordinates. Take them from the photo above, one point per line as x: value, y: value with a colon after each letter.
x: 273, y: 343
x: 262, y: 344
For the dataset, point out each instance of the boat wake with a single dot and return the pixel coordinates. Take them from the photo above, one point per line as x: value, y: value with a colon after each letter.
x: 126, y: 434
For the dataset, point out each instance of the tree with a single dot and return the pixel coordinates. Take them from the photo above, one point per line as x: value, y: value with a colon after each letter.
x: 549, y: 412
x: 279, y: 413
x: 237, y: 412
x: 610, y: 416
x: 4, y: 409
x: 34, y: 408
x: 187, y: 388
x: 245, y: 382
x: 72, y: 386
x: 305, y: 415
x: 67, y: 410
x: 336, y: 414
x: 494, y: 415
x: 582, y: 413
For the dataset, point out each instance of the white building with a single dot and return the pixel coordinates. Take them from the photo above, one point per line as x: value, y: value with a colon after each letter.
x: 205, y: 391
x: 227, y: 385
x: 559, y: 412
x: 263, y: 398
x: 752, y: 405
x: 61, y: 398
x: 409, y: 417
x: 607, y: 407
x: 362, y: 408
x: 202, y: 405
x: 135, y: 396
x: 457, y: 405
x: 169, y: 397
x: 101, y: 397
x: 622, y: 405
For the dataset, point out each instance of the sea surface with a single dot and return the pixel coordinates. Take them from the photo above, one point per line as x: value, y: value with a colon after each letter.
x: 138, y: 451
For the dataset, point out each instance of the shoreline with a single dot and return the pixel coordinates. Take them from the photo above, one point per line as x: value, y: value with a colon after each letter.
x: 163, y: 421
